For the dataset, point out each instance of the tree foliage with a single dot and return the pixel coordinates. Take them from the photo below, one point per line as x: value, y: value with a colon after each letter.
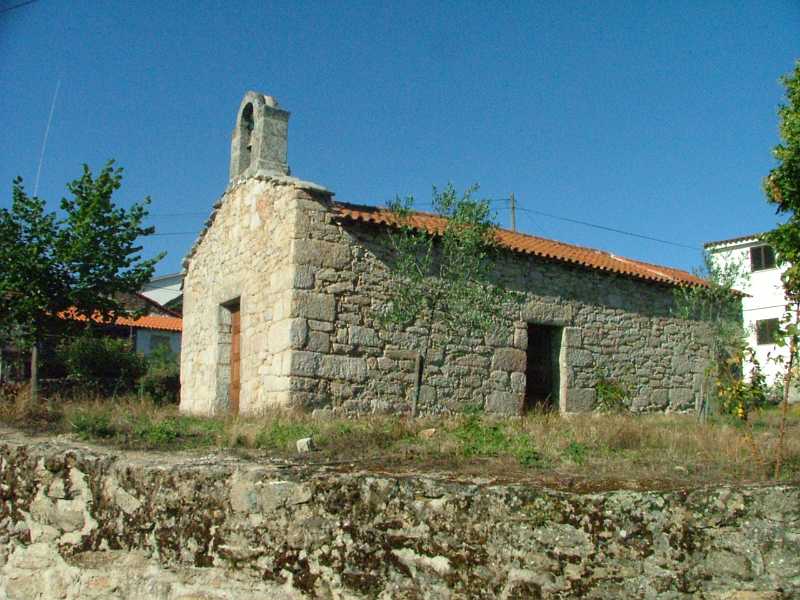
x: 448, y: 276
x: 782, y: 188
x: 718, y: 304
x: 101, y: 364
x: 77, y: 259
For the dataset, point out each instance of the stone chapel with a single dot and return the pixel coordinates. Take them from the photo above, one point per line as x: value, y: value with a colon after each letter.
x: 284, y: 286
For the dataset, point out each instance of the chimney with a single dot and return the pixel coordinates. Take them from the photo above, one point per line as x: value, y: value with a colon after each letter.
x: 259, y: 140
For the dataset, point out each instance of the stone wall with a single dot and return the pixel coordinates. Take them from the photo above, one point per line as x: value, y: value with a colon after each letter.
x: 243, y: 256
x: 610, y: 326
x: 78, y: 522
x: 311, y: 289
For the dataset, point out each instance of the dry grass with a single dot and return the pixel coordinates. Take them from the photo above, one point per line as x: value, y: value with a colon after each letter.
x: 583, y: 452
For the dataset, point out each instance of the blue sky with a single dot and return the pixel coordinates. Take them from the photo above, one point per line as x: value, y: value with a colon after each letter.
x: 652, y: 117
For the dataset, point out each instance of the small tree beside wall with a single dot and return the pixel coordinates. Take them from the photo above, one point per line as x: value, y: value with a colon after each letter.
x: 77, y: 260
x: 782, y: 188
x: 444, y: 277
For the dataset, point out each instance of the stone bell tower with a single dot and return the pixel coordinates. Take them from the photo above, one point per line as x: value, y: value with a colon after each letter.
x: 259, y: 140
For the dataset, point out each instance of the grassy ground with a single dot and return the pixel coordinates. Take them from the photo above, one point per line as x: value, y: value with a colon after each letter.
x: 585, y: 452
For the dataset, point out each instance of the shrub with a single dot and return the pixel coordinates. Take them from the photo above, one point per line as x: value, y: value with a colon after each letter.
x: 102, y: 365
x: 92, y: 426
x: 576, y: 452
x: 162, y: 381
x: 159, y: 434
x: 739, y: 397
x: 478, y: 438
x: 612, y: 396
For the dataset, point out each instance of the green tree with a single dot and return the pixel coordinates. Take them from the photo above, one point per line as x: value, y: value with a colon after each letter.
x: 719, y: 305
x: 77, y: 260
x: 445, y: 278
x: 782, y: 188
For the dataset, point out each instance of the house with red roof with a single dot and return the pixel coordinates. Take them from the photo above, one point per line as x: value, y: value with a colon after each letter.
x: 284, y: 290
x: 148, y: 327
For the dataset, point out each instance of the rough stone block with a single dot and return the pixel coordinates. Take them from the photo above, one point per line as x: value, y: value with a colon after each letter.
x: 499, y: 339
x: 320, y: 325
x: 288, y: 333
x: 304, y: 364
x: 305, y: 445
x: 503, y: 403
x: 509, y: 359
x: 427, y: 396
x: 318, y: 342
x: 338, y: 288
x: 579, y: 358
x: 579, y: 400
x: 311, y: 305
x: 681, y: 399
x: 547, y: 314
x: 521, y: 338
x: 473, y: 360
x: 320, y: 253
x: 332, y: 366
x: 396, y: 354
x: 363, y: 336
x: 518, y: 381
x: 571, y: 337
x: 659, y: 398
x: 386, y: 364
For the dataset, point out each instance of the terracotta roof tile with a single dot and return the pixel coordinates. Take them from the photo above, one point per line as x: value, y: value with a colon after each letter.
x: 145, y: 322
x: 533, y: 245
x: 152, y: 322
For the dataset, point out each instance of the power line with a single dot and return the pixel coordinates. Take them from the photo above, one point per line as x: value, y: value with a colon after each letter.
x: 519, y: 208
x: 20, y: 5
x: 175, y: 233
x: 606, y: 228
x: 179, y: 214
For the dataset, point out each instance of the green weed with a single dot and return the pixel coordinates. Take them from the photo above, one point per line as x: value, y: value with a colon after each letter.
x: 280, y: 435
x: 576, y: 452
x: 93, y: 426
x: 492, y: 439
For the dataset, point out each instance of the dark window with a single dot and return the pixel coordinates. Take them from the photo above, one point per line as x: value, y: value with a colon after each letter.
x: 159, y: 341
x: 762, y: 257
x: 766, y: 330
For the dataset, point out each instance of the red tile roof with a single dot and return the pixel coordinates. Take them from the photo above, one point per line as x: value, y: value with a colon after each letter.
x: 529, y: 244
x: 145, y: 322
x: 152, y: 322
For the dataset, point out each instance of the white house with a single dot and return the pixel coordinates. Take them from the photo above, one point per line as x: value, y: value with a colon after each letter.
x: 164, y: 289
x: 765, y: 304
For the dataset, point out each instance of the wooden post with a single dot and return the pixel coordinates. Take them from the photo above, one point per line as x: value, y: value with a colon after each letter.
x: 418, y: 384
x: 513, y: 212
x: 34, y: 373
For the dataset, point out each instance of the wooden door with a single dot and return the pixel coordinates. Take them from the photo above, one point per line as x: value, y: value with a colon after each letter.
x: 236, y: 360
x: 541, y: 376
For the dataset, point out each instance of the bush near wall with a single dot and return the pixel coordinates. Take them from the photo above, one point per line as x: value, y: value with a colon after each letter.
x: 162, y: 381
x: 101, y: 365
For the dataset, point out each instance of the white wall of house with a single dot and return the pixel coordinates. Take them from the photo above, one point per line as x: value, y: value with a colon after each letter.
x: 148, y: 340
x: 163, y: 289
x: 764, y: 301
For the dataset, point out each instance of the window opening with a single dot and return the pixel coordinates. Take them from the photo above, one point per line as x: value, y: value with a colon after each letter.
x: 247, y: 125
x: 761, y: 258
x: 766, y: 331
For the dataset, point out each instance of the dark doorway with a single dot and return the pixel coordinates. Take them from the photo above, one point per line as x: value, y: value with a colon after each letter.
x: 541, y: 377
x: 236, y: 360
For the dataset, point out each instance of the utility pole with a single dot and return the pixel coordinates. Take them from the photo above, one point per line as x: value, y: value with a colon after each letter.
x: 513, y: 212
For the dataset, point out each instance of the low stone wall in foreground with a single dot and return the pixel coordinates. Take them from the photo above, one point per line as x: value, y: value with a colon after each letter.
x: 83, y: 522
